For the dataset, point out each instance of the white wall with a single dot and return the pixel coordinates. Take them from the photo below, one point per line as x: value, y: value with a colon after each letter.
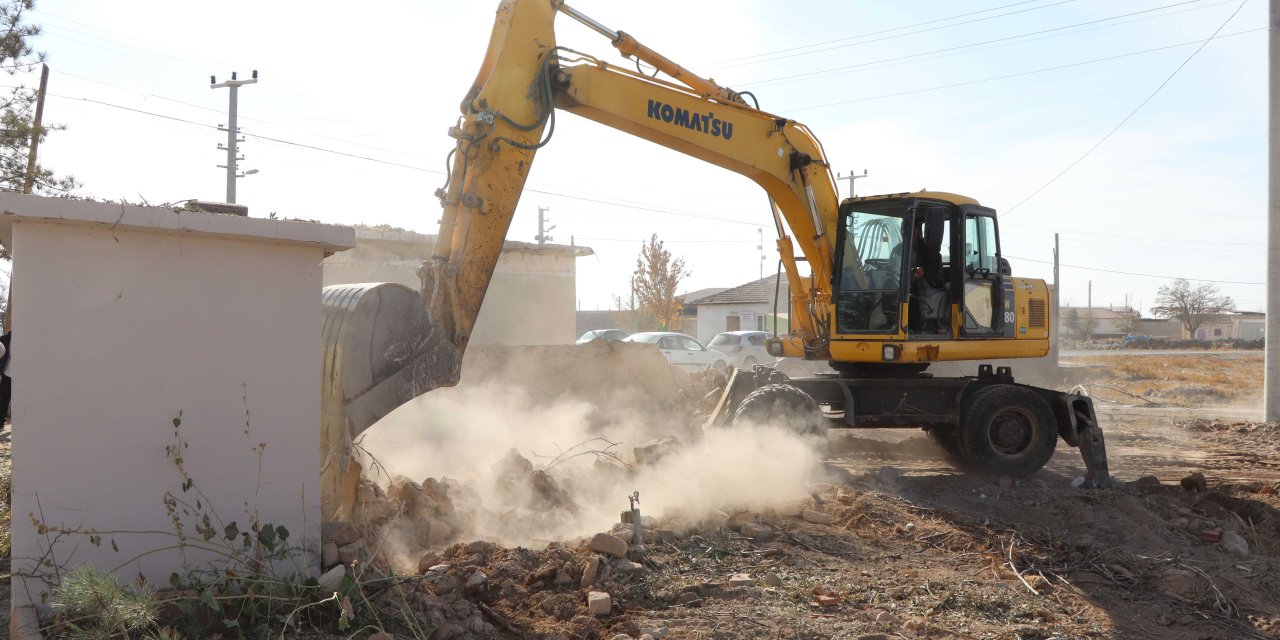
x: 121, y: 326
x: 531, y: 299
x: 713, y: 318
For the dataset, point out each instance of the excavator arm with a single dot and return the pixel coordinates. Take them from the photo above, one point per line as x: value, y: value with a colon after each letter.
x: 383, y: 347
x: 510, y: 112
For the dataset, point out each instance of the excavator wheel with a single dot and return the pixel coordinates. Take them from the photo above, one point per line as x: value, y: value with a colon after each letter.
x: 949, y: 442
x: 1007, y: 430
x: 782, y: 405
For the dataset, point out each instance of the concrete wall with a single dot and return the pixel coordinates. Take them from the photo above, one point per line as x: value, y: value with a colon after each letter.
x: 1248, y: 328
x: 531, y: 300
x: 126, y: 316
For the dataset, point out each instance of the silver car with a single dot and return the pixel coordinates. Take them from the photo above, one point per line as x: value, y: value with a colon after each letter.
x: 744, y: 348
x: 683, y: 352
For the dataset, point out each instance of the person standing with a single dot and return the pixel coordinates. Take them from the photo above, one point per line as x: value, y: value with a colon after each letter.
x: 6, y: 378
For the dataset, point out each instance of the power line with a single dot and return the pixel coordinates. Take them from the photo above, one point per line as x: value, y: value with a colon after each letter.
x: 1142, y: 275
x: 959, y: 48
x: 789, y: 51
x: 1142, y: 104
x: 669, y: 240
x: 355, y: 156
x: 1019, y: 74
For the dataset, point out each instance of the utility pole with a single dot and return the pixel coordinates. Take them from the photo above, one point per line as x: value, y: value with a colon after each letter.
x: 30, y: 178
x: 1088, y: 323
x: 542, y: 236
x: 233, y: 131
x: 851, y: 178
x: 1054, y: 312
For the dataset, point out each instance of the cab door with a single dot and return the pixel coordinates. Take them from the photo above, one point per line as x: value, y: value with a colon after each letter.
x: 987, y: 298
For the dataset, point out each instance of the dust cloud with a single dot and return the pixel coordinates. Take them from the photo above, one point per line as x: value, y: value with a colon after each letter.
x: 529, y: 464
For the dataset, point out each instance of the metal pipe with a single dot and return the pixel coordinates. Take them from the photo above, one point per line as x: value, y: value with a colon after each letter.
x: 587, y: 20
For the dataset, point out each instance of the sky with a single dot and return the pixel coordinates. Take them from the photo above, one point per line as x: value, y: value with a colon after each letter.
x: 993, y: 99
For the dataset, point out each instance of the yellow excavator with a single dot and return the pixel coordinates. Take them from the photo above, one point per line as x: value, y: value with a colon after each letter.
x: 896, y: 282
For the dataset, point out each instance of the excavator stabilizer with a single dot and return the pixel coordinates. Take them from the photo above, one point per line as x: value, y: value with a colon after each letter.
x: 381, y: 350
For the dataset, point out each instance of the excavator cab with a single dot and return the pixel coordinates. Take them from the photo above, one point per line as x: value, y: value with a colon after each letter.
x: 921, y: 268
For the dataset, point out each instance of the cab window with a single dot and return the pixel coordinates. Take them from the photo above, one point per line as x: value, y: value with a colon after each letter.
x: 980, y: 244
x: 869, y: 280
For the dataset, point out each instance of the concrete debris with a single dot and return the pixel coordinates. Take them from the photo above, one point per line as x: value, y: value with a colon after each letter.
x: 599, y: 603
x: 1235, y: 543
x: 430, y: 531
x: 352, y: 553
x: 475, y: 582
x: 886, y: 617
x: 331, y: 580
x: 623, y: 531
x: 741, y: 580
x: 817, y: 517
x: 1195, y: 482
x: 654, y: 450
x: 740, y: 518
x: 627, y: 566
x: 339, y: 533
x: 590, y: 571
x: 439, y: 492
x: 328, y: 555
x: 412, y: 498
x: 608, y: 545
x: 715, y: 519
x: 1147, y: 485
x: 756, y: 531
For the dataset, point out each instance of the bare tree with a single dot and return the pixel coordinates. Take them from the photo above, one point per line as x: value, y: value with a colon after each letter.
x: 655, y: 281
x: 630, y: 318
x: 1190, y: 305
x: 1081, y: 325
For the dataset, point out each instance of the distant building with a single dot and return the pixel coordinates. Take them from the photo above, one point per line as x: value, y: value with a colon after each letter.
x: 1159, y: 328
x: 531, y: 300
x: 1233, y: 325
x: 687, y: 323
x: 745, y: 307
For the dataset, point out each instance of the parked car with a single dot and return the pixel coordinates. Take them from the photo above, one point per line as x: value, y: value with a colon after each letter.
x: 682, y: 352
x: 744, y: 348
x: 608, y: 335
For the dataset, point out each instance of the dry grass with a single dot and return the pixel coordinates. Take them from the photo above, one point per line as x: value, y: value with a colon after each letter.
x: 5, y: 539
x: 1201, y: 379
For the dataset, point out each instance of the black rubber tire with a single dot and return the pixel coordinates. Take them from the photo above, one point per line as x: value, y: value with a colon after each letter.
x: 1007, y: 430
x: 782, y: 405
x: 946, y: 440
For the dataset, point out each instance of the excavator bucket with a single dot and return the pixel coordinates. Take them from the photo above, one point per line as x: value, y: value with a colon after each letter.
x: 380, y: 351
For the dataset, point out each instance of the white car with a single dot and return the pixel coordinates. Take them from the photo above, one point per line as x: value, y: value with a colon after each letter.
x: 682, y: 352
x: 744, y: 348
